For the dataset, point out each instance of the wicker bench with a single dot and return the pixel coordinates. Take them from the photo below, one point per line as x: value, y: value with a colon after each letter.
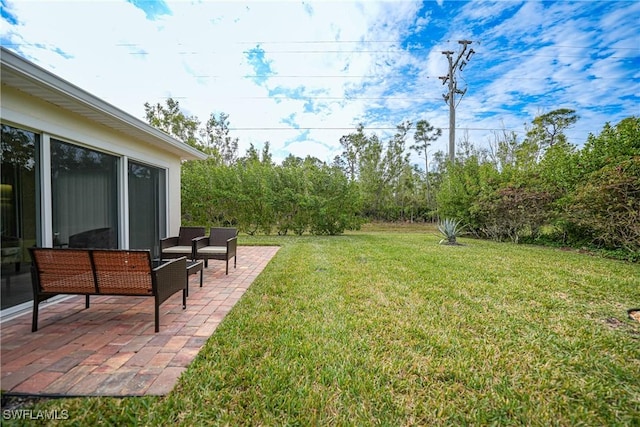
x: 57, y: 271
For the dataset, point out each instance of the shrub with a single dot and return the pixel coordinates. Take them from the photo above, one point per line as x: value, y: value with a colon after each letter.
x: 607, y: 204
x: 512, y: 211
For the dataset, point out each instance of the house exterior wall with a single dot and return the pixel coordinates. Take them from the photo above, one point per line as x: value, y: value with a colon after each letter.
x: 50, y: 121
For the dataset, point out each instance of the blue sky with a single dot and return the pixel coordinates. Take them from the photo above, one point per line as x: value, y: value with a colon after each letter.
x: 302, y: 74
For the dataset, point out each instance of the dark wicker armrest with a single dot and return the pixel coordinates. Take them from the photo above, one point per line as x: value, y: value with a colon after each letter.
x: 232, y: 244
x: 170, y: 278
x: 200, y: 242
x: 168, y: 242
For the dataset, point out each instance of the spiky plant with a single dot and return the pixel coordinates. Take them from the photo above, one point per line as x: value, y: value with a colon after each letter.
x: 450, y: 229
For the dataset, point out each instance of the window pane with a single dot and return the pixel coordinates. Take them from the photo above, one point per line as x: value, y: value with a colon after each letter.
x: 147, y: 207
x: 84, y: 186
x: 19, y: 217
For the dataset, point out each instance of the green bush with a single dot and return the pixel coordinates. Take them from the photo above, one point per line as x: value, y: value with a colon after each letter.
x: 258, y: 196
x: 607, y: 203
x: 334, y: 203
x: 511, y: 212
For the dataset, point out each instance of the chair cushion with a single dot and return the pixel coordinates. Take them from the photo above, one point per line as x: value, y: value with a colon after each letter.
x: 212, y: 250
x: 177, y: 250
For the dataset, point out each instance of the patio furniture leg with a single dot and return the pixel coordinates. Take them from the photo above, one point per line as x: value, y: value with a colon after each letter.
x: 34, y: 320
x: 157, y: 313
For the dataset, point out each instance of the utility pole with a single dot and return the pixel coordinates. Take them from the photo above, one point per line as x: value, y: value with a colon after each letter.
x: 449, y: 98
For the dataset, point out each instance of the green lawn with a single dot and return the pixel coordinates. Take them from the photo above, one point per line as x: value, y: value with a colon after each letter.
x: 387, y: 327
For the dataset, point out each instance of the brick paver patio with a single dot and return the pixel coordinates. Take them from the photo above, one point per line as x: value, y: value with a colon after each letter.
x: 111, y: 349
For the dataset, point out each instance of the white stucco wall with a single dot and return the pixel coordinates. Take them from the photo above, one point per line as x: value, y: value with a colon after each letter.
x: 50, y: 121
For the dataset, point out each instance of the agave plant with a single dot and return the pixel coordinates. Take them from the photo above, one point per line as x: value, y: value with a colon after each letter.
x: 450, y: 229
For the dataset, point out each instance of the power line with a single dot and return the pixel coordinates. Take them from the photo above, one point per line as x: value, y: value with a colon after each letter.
x: 314, y: 41
x: 353, y: 128
x: 403, y: 50
x: 386, y: 128
x: 355, y: 51
x: 587, y: 79
x: 406, y: 50
x: 305, y: 128
x: 397, y: 42
x: 338, y: 98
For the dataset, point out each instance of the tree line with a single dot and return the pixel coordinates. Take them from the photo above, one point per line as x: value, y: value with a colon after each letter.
x: 536, y: 188
x: 544, y: 189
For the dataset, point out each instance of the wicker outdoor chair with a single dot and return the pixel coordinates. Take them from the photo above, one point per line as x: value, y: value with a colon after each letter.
x: 181, y: 245
x: 221, y: 244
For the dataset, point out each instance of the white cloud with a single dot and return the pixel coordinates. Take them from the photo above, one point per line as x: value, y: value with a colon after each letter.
x: 380, y: 62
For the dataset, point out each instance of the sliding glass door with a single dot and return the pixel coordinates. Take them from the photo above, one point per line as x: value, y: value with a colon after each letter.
x: 84, y: 197
x: 147, y: 207
x: 20, y: 212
